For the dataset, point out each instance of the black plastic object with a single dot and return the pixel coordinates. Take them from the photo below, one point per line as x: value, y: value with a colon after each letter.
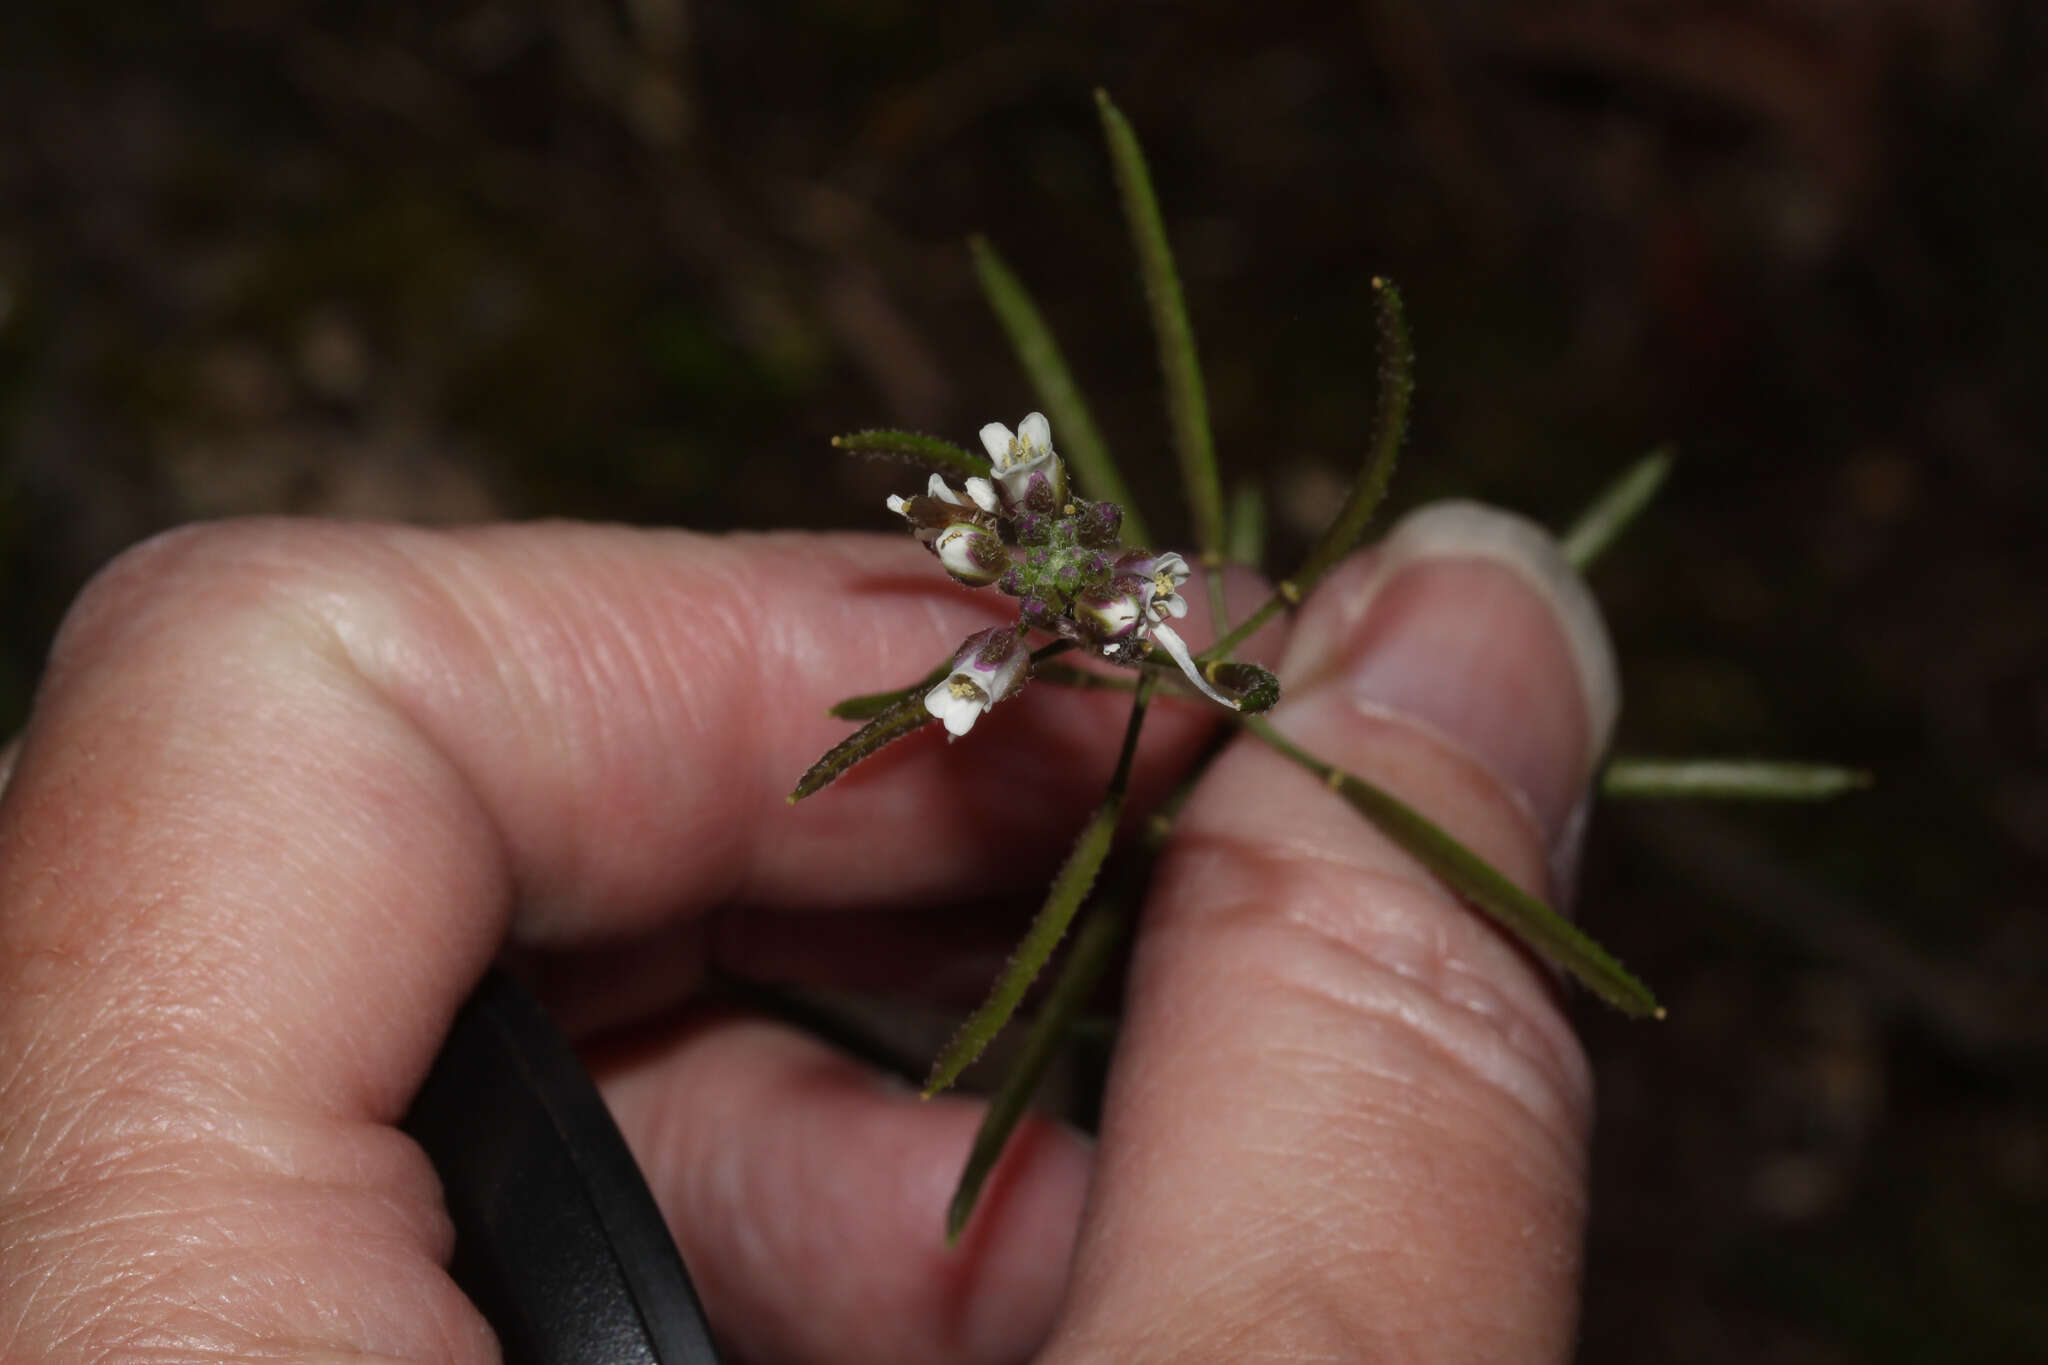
x: 557, y: 1240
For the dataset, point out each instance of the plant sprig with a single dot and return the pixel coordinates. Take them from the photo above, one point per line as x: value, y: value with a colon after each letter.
x: 944, y: 518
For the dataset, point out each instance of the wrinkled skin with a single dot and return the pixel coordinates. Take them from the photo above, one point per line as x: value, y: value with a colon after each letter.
x: 288, y: 788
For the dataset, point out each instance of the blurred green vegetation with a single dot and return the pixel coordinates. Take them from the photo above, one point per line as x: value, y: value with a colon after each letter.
x: 639, y: 261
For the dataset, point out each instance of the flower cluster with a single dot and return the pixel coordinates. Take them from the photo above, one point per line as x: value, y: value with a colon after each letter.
x: 1061, y: 556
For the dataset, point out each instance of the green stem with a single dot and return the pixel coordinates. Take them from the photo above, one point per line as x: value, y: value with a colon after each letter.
x: 1101, y: 933
x: 1069, y: 888
x: 1095, y: 947
x: 1244, y: 540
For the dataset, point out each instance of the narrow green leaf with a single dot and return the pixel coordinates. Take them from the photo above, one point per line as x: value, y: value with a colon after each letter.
x: 1069, y: 888
x: 1617, y: 506
x: 1075, y: 434
x: 872, y: 704
x: 1186, y: 403
x: 1546, y: 932
x: 1389, y: 430
x: 929, y: 451
x: 1102, y: 931
x: 903, y: 718
x: 1724, y: 779
x: 1244, y: 540
x: 1095, y: 945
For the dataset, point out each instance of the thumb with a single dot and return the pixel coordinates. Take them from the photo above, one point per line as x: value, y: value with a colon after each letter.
x: 1347, y: 1120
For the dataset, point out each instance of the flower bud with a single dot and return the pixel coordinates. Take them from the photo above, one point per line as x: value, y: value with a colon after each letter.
x: 972, y: 553
x: 1099, y: 524
x: 1111, y: 612
x: 930, y: 514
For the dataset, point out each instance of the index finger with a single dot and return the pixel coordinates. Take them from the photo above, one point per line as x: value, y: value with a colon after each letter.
x: 348, y: 741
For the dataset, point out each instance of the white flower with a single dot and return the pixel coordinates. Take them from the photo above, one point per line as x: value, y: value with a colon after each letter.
x: 1022, y: 457
x: 984, y: 494
x: 990, y: 665
x: 1159, y: 578
x: 929, y: 522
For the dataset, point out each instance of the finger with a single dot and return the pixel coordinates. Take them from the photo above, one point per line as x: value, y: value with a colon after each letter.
x: 780, y: 1163
x: 282, y: 790
x: 1346, y: 1119
x: 943, y: 955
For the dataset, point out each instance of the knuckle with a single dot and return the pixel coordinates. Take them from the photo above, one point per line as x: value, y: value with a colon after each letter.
x: 204, y: 584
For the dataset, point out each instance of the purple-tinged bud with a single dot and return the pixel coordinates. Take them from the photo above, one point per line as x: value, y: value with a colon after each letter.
x: 1011, y: 582
x: 972, y: 553
x: 1098, y: 524
x: 1110, y: 613
x: 1037, y: 611
x: 1045, y: 495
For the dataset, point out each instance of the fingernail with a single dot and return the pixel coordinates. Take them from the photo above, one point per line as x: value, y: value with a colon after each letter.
x: 1468, y: 621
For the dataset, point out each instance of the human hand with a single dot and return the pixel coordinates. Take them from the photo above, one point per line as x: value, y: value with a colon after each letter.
x: 289, y: 787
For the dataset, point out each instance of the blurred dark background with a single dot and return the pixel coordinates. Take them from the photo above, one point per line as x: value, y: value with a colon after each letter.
x: 638, y: 260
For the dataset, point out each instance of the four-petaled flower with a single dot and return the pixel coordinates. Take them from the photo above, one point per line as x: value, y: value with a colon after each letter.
x: 990, y: 665
x: 1032, y: 476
